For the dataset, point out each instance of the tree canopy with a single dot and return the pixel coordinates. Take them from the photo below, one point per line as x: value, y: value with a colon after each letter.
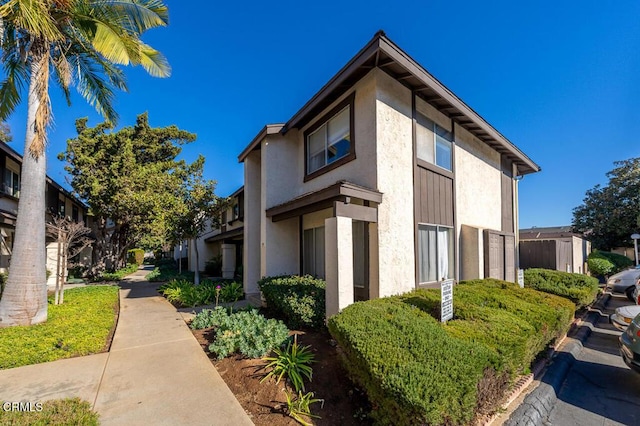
x: 132, y: 181
x: 611, y: 213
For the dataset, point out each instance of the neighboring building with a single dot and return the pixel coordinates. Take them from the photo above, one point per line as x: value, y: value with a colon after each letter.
x: 224, y: 243
x: 59, y: 201
x: 383, y: 182
x: 554, y: 247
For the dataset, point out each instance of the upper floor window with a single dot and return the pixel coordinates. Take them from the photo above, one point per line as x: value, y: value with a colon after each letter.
x: 11, y: 182
x: 74, y: 213
x: 433, y: 143
x: 329, y: 142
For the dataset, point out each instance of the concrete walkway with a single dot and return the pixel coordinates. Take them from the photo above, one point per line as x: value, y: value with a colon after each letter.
x: 156, y: 372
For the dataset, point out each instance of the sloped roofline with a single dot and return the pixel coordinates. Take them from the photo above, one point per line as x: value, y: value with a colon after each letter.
x: 382, y: 53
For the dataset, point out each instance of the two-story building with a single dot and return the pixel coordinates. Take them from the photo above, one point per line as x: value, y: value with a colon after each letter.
x: 59, y: 202
x: 224, y: 242
x: 382, y: 182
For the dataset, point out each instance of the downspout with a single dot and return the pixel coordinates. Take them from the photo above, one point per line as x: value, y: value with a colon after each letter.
x: 516, y: 222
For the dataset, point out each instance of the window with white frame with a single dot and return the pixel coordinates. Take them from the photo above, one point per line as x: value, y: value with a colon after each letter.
x: 433, y: 142
x: 435, y: 253
x: 11, y: 182
x: 313, y: 252
x: 329, y: 142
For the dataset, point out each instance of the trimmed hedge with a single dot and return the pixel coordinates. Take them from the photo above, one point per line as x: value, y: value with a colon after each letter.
x: 580, y: 289
x: 416, y: 370
x: 299, y: 300
x: 412, y: 370
x: 606, y: 263
x: 135, y: 256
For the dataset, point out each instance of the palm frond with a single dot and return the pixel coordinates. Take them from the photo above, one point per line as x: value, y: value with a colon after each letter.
x: 141, y: 15
x: 33, y: 17
x: 154, y: 62
x: 92, y: 86
x: 13, y: 85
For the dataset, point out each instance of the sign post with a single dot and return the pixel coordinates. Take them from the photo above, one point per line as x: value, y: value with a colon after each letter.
x: 635, y: 238
x: 446, y: 300
x: 521, y: 278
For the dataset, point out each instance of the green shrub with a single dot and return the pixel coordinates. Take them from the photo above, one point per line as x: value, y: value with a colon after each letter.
x: 580, y: 289
x: 245, y: 332
x: 162, y: 274
x: 419, y: 371
x: 294, y: 361
x: 300, y: 300
x: 515, y: 323
x: 184, y: 293
x: 604, y: 263
x: 213, y: 266
x: 119, y: 274
x: 231, y: 291
x: 600, y: 267
x: 412, y: 370
x: 135, y: 256
x: 208, y: 318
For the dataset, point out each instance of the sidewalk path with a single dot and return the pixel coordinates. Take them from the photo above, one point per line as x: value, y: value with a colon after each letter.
x: 156, y: 372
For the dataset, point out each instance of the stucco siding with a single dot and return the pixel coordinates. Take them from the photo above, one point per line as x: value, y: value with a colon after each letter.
x: 394, y: 165
x: 478, y: 183
x: 252, y: 215
x: 359, y: 171
x: 281, y: 177
x: 281, y: 247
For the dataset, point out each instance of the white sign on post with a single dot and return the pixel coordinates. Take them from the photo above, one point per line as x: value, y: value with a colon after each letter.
x: 521, y: 278
x: 446, y: 300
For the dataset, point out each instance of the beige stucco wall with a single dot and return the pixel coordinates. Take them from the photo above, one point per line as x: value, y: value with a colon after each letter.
x: 478, y: 193
x: 252, y: 218
x: 361, y: 170
x: 394, y: 166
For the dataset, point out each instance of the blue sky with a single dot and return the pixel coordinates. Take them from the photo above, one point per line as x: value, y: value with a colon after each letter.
x: 561, y: 80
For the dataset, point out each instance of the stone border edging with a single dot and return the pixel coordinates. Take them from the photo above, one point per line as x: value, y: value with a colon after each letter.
x: 537, y: 406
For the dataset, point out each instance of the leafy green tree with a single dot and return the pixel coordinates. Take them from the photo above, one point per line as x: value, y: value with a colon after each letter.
x: 131, y: 180
x: 199, y: 208
x: 609, y: 214
x: 74, y: 43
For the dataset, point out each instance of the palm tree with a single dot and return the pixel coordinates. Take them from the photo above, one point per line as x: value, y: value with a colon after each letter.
x: 76, y: 43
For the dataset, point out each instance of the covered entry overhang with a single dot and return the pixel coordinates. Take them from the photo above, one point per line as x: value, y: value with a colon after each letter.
x: 341, y: 196
x: 347, y: 211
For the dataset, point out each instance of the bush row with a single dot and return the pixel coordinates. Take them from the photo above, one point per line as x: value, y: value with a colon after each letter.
x: 184, y: 293
x: 579, y: 288
x: 416, y: 370
x: 299, y: 300
x: 119, y: 274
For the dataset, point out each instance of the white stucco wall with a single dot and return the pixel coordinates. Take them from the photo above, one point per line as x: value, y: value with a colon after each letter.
x: 252, y: 218
x: 478, y: 191
x: 360, y: 171
x: 279, y: 245
x: 394, y: 166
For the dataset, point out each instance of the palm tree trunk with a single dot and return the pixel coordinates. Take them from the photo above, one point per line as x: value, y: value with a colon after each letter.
x: 24, y: 300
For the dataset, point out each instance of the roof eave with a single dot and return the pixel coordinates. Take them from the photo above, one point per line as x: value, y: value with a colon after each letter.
x: 459, y: 110
x: 269, y: 129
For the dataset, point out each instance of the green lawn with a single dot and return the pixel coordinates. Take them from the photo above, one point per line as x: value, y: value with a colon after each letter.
x: 79, y: 327
x: 71, y: 411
